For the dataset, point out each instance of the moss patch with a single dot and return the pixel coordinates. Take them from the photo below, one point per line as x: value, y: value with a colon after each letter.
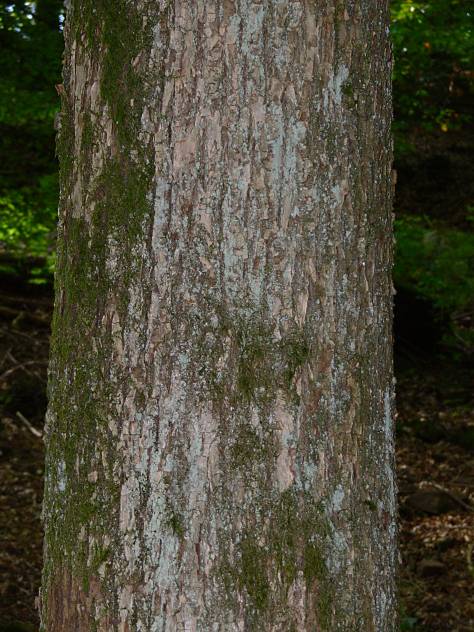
x: 282, y: 540
x: 256, y: 366
x: 253, y: 578
x: 91, y: 284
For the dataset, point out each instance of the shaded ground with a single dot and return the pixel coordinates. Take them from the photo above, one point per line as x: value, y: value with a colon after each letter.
x: 435, y: 461
x: 436, y: 494
x: 24, y: 329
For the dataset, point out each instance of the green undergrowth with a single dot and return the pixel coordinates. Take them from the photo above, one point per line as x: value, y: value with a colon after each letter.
x: 436, y: 263
x: 28, y: 231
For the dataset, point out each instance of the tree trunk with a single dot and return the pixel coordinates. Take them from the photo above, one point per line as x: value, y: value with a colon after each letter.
x: 219, y: 433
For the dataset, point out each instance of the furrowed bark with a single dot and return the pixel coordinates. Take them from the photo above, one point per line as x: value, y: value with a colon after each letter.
x: 219, y: 433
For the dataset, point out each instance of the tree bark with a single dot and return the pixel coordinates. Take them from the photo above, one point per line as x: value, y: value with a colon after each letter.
x: 219, y: 432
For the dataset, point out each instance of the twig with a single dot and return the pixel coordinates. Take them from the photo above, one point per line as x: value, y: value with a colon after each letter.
x: 21, y: 367
x: 5, y: 356
x: 5, y: 298
x: 6, y: 331
x: 32, y: 429
x: 470, y: 565
x: 20, y: 313
x: 453, y: 497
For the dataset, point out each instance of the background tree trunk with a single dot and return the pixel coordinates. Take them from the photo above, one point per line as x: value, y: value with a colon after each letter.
x: 219, y: 430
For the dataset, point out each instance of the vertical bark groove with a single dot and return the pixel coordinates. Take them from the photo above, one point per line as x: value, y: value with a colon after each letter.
x: 219, y: 432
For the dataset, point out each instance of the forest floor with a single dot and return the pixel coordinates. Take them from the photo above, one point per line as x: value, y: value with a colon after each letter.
x: 435, y: 432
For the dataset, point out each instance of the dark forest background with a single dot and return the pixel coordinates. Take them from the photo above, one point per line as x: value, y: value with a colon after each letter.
x: 434, y: 305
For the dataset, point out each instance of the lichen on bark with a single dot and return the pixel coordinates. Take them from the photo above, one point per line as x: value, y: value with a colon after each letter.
x: 220, y: 381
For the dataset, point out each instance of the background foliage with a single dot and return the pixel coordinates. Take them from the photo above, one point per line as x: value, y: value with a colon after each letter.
x: 434, y: 48
x: 434, y: 148
x: 30, y: 66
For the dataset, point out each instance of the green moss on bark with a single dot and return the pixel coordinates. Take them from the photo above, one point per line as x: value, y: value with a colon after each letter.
x: 124, y: 36
x: 115, y: 208
x: 252, y: 578
x: 257, y: 365
x: 284, y: 539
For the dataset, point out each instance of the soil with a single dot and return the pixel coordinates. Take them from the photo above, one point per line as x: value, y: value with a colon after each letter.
x: 435, y: 431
